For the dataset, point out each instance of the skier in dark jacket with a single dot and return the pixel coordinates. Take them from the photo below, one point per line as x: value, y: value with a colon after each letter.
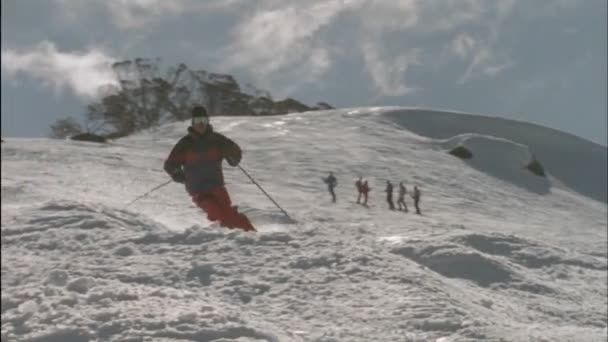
x: 365, y: 191
x: 416, y: 196
x: 389, y: 195
x: 196, y: 161
x: 359, y: 186
x: 401, y: 200
x: 331, y: 182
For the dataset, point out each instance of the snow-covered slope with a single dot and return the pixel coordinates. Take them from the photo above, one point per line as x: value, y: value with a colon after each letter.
x: 499, y: 254
x: 577, y: 163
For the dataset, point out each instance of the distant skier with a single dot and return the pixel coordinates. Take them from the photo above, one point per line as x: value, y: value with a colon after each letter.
x: 401, y: 201
x: 365, y: 191
x: 359, y: 186
x: 416, y: 196
x: 196, y: 161
x: 389, y: 195
x: 331, y: 182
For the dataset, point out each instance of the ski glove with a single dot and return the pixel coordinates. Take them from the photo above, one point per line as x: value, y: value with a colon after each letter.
x: 178, y: 176
x: 232, y: 161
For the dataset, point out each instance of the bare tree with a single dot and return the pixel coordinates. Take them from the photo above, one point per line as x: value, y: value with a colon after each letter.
x: 143, y: 97
x: 64, y: 128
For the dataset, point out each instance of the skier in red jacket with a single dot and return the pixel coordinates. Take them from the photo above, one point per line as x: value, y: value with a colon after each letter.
x: 196, y: 161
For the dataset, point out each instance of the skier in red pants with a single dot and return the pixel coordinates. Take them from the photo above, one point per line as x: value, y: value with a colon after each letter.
x: 196, y: 161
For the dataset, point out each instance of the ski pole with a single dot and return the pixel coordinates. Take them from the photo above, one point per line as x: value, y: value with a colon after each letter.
x: 147, y: 193
x: 267, y: 195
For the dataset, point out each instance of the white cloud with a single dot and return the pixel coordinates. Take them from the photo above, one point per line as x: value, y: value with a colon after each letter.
x: 495, y: 68
x: 285, y: 36
x: 81, y: 72
x: 284, y: 40
x: 422, y: 15
x: 463, y: 45
x: 137, y: 14
x: 387, y: 75
x: 292, y: 39
x: 485, y: 63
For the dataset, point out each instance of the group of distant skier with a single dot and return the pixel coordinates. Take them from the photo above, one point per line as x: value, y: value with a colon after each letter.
x: 363, y: 190
x: 196, y: 161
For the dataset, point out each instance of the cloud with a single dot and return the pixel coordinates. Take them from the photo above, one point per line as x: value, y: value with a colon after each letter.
x: 291, y: 38
x: 486, y: 56
x: 286, y: 44
x: 485, y: 64
x: 463, y: 45
x: 283, y: 41
x: 482, y: 58
x: 387, y: 75
x: 275, y: 38
x: 81, y: 72
x: 138, y: 14
x: 426, y: 16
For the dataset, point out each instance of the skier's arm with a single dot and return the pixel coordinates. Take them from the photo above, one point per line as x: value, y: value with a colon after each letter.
x: 231, y: 151
x: 175, y: 161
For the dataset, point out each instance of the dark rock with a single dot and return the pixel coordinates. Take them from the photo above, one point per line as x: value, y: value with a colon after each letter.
x: 536, y: 168
x: 290, y: 105
x: 461, y: 152
x: 90, y: 137
x: 322, y: 106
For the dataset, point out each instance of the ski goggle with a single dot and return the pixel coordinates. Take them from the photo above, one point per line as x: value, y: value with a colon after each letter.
x: 200, y: 120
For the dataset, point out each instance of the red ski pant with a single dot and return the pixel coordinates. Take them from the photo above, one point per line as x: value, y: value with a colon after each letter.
x: 216, y: 203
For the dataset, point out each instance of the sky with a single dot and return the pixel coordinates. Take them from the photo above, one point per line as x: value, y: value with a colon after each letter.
x: 541, y: 61
x: 497, y: 254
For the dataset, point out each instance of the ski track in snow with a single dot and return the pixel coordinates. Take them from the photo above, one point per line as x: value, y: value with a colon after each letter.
x: 490, y: 259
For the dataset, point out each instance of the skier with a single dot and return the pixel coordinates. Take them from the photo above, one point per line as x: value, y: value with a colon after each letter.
x: 389, y: 195
x: 401, y: 201
x: 331, y: 182
x: 359, y: 185
x: 196, y: 161
x: 365, y: 191
x: 416, y: 196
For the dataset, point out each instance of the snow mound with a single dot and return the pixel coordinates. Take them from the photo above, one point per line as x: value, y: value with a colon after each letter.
x: 500, y: 158
x: 266, y: 217
x: 59, y: 217
x: 81, y: 272
x: 579, y: 164
x: 529, y: 253
x: 454, y: 261
x: 499, y: 261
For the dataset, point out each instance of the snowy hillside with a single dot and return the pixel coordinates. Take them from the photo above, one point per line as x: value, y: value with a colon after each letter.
x: 499, y: 254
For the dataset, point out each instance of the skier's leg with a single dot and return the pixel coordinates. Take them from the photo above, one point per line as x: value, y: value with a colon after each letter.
x: 231, y: 218
x: 218, y: 207
x: 234, y: 219
x: 207, y: 202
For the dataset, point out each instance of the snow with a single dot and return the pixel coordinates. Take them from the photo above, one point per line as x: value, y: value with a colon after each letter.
x: 499, y: 254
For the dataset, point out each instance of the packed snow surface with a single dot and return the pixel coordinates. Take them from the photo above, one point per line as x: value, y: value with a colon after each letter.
x: 499, y: 254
